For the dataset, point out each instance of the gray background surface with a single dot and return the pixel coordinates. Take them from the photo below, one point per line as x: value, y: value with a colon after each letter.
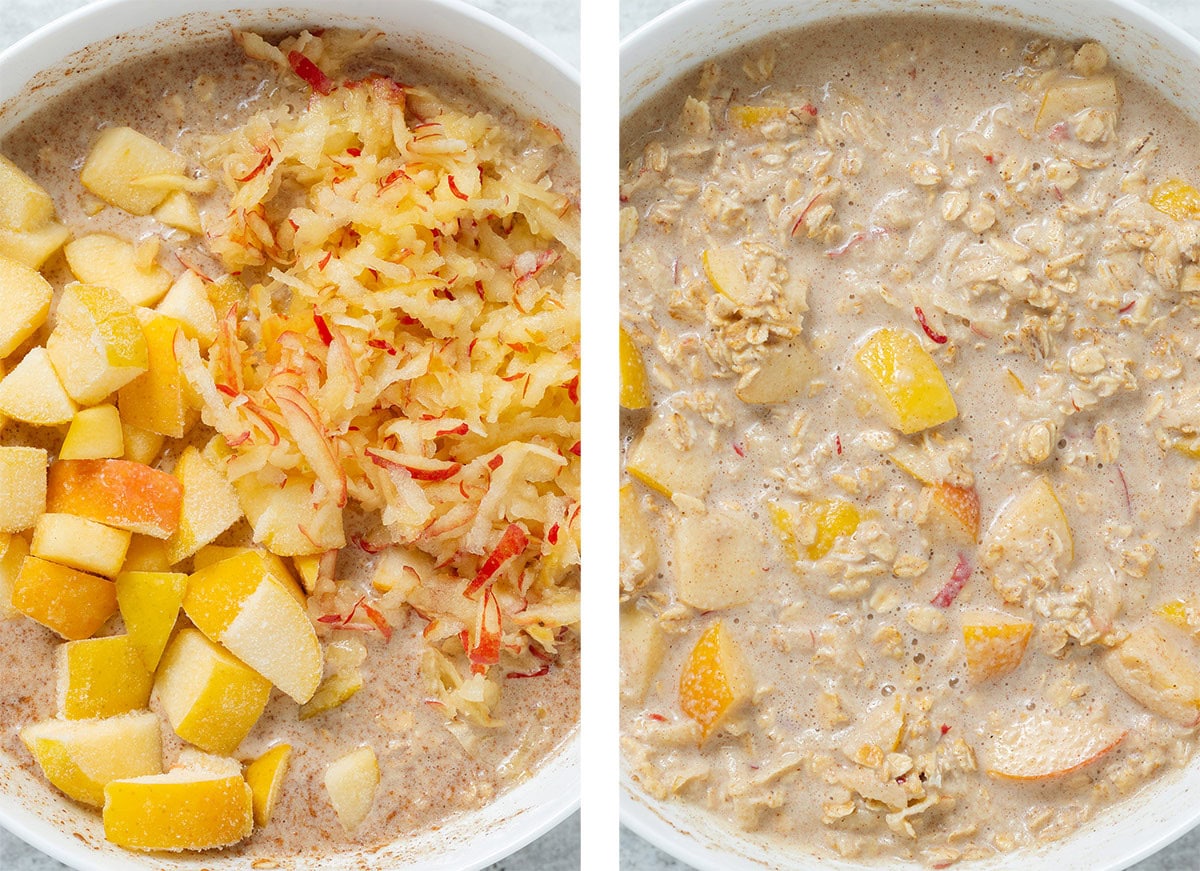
x: 1184, y: 854
x: 555, y: 24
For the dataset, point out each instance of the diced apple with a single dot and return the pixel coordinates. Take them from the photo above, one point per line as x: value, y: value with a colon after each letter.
x: 643, y: 644
x: 1029, y: 540
x: 180, y: 810
x: 95, y: 434
x: 783, y: 373
x: 715, y: 680
x: 212, y: 554
x: 22, y: 486
x: 285, y: 520
x: 880, y: 727
x: 351, y: 782
x: 1043, y: 745
x: 122, y: 156
x: 111, y: 262
x: 25, y: 296
x: 146, y: 554
x: 718, y: 560
x: 150, y: 603
x: 141, y: 445
x: 79, y: 543
x: 33, y: 247
x: 654, y: 460
x: 157, y: 399
x: 211, y: 699
x: 101, y: 677
x: 178, y: 211
x: 956, y: 509
x: 1154, y: 670
x: 24, y: 204
x: 97, y: 343
x: 210, y: 505
x: 1176, y: 198
x: 32, y: 392
x: 187, y: 301
x: 80, y: 757
x: 726, y: 271
x: 749, y: 117
x: 994, y: 647
x: 908, y: 386
x: 343, y: 677
x: 13, y: 550
x: 265, y: 776
x: 826, y: 520
x: 1070, y: 96
x: 119, y: 493
x: 241, y: 604
x: 639, y: 553
x: 70, y: 602
x: 635, y: 387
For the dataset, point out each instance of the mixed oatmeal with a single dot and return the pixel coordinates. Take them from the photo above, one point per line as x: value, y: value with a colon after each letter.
x: 909, y: 438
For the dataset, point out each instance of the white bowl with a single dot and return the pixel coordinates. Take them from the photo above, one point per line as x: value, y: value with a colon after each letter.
x: 654, y: 57
x: 508, y: 67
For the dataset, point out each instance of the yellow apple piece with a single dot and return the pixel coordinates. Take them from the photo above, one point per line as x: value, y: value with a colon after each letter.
x: 908, y: 386
x: 715, y: 680
x: 655, y: 460
x: 119, y: 493
x: 1073, y: 95
x: 141, y: 445
x: 749, y: 117
x: 101, y: 677
x: 784, y: 373
x: 13, y: 550
x: 33, y: 247
x: 210, y: 505
x: 149, y: 602
x: 957, y: 508
x: 638, y: 558
x: 210, y: 698
x: 80, y: 757
x: 80, y: 543
x: 120, y: 157
x: 635, y: 386
x: 146, y: 554
x: 1042, y: 745
x: 1184, y: 613
x: 25, y: 296
x: 1029, y: 541
x: 1176, y: 198
x: 32, y: 392
x: 97, y: 344
x: 1158, y: 674
x: 726, y: 272
x: 243, y: 605
x: 643, y: 644
x: 22, y: 486
x: 719, y: 560
x: 211, y: 554
x: 829, y: 519
x: 284, y: 519
x: 343, y: 677
x: 72, y: 603
x: 187, y: 301
x: 351, y: 782
x: 110, y: 261
x: 157, y: 399
x: 178, y: 211
x: 265, y: 776
x: 95, y: 434
x: 180, y: 810
x: 994, y: 648
x: 24, y: 204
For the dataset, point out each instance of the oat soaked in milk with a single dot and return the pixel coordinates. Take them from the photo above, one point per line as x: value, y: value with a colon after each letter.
x: 908, y: 439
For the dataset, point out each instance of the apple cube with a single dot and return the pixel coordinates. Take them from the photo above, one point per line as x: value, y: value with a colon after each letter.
x: 783, y: 373
x: 655, y: 461
x: 97, y: 344
x: 22, y: 486
x: 179, y: 810
x: 643, y: 644
x: 1158, y: 674
x: 101, y: 677
x: 635, y: 387
x: 1043, y: 745
x: 210, y: 505
x: 994, y: 648
x: 146, y: 554
x: 141, y: 445
x: 212, y: 554
x: 80, y: 757
x: 638, y: 558
x: 718, y: 559
x: 79, y: 543
x: 119, y: 159
x: 13, y: 550
x: 726, y: 271
x: 343, y: 677
x: 351, y: 782
x: 956, y: 509
x: 33, y: 247
x: 32, y: 392
x: 211, y: 699
x: 157, y: 399
x: 1030, y: 534
x: 243, y: 605
x: 1071, y: 96
x: 119, y: 493
x: 72, y: 603
x: 24, y: 204
x: 187, y: 301
x: 95, y: 434
x: 109, y: 261
x: 178, y: 211
x: 749, y: 117
x: 1176, y: 198
x: 285, y: 520
x: 265, y: 777
x: 150, y: 603
x: 908, y: 386
x: 25, y: 296
x: 826, y: 520
x: 715, y: 680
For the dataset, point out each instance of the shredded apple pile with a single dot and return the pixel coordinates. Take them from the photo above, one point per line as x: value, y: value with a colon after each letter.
x: 398, y: 365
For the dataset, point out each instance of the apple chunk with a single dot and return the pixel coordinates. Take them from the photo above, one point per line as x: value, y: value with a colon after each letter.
x: 72, y: 603
x: 150, y: 603
x: 656, y: 461
x: 95, y: 434
x: 210, y: 505
x: 157, y: 399
x: 719, y: 560
x: 994, y: 648
x: 241, y: 604
x: 22, y: 486
x: 643, y: 644
x: 25, y: 297
x: 33, y: 247
x: 715, y: 680
x: 80, y: 543
x: 635, y: 387
x: 1042, y: 745
x: 97, y: 344
x: 120, y: 158
x: 265, y: 776
x: 908, y: 385
x: 119, y: 493
x: 1029, y: 543
x: 181, y: 810
x: 1154, y: 670
x: 351, y: 782
x: 24, y: 204
x: 101, y: 677
x: 32, y: 392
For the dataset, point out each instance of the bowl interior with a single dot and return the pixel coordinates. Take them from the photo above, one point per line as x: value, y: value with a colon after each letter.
x: 508, y: 69
x: 652, y: 60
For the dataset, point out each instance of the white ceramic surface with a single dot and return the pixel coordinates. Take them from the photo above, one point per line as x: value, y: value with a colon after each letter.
x: 1138, y: 39
x: 512, y: 69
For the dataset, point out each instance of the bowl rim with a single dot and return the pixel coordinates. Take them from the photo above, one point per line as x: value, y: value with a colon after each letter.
x: 637, y: 811
x: 75, y: 31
